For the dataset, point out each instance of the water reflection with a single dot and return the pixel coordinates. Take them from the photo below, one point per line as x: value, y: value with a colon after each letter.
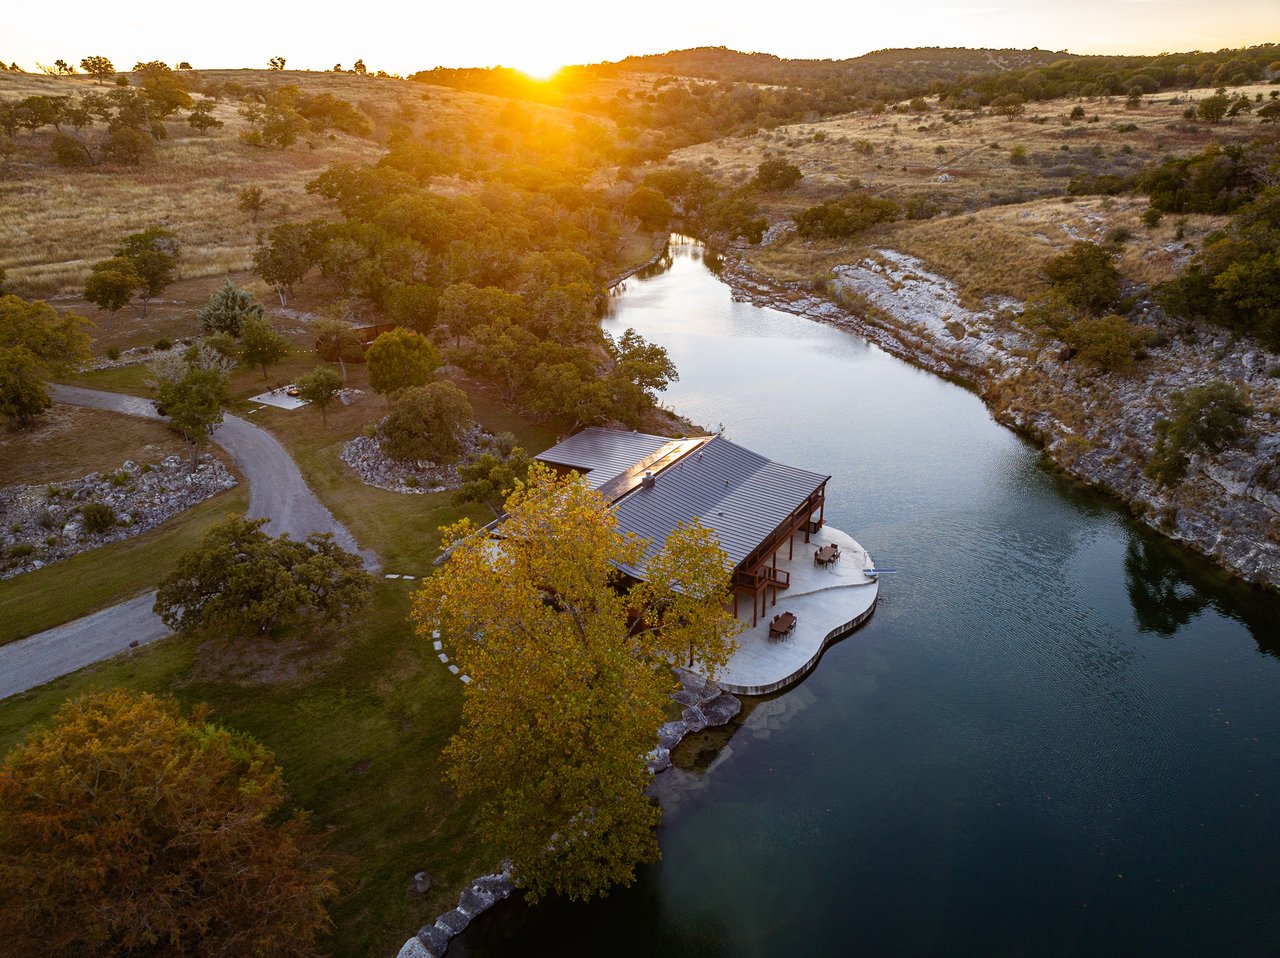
x: 1056, y: 738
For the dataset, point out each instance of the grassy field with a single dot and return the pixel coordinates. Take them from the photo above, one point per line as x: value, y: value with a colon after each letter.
x: 359, y: 741
x: 100, y: 577
x: 991, y: 189
x: 68, y: 443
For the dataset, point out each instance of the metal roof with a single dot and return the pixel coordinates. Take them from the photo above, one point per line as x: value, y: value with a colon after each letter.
x: 740, y: 494
x: 603, y: 454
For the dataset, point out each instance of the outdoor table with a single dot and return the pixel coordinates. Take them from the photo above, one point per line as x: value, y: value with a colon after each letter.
x: 781, y: 625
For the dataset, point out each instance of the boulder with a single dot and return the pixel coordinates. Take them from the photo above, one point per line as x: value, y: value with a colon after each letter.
x: 454, y: 922
x: 721, y: 709
x: 435, y: 939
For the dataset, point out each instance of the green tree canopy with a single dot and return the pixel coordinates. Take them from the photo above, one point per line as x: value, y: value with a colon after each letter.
x: 400, y: 359
x: 131, y: 829
x: 1085, y: 276
x: 776, y: 174
x: 100, y: 68
x: 650, y: 207
x: 286, y: 257
x: 36, y: 344
x: 111, y: 285
x: 1202, y: 419
x: 320, y: 387
x: 426, y: 423
x: 154, y: 253
x: 568, y: 685
x: 227, y: 310
x: 194, y: 404
x: 260, y: 344
x: 242, y: 582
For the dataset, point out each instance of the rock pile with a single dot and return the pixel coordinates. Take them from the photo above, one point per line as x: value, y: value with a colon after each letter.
x: 375, y: 468
x: 705, y: 705
x: 40, y: 524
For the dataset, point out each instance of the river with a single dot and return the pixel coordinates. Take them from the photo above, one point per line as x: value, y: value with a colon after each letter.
x: 1057, y: 736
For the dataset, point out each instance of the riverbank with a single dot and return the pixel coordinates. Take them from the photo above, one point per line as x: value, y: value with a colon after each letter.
x: 1096, y: 427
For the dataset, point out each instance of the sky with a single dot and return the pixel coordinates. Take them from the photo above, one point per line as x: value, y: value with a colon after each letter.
x: 402, y: 37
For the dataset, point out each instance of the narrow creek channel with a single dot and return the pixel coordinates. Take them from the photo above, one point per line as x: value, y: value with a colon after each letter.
x: 1058, y: 736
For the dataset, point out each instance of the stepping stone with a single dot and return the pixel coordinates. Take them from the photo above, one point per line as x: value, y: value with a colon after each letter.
x: 454, y: 669
x: 443, y: 657
x: 438, y: 644
x: 408, y: 577
x: 392, y: 575
x: 466, y: 679
x: 435, y: 634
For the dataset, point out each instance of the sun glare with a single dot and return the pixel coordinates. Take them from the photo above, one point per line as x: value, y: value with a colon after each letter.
x: 544, y: 70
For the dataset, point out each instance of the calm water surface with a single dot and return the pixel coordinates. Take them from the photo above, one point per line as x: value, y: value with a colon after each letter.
x: 1058, y: 735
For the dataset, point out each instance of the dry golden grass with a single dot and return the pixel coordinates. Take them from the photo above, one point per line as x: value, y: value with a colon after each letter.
x: 57, y: 222
x: 67, y: 443
x: 1005, y: 217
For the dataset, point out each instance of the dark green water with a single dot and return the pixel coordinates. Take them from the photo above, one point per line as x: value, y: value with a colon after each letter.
x: 1058, y: 735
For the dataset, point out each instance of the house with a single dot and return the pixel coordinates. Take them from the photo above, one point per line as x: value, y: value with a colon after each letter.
x: 653, y: 483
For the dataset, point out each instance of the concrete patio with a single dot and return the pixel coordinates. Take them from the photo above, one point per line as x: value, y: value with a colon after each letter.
x: 828, y: 603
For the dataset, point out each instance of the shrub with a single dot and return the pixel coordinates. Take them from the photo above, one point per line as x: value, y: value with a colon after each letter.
x: 1151, y: 217
x: 1085, y: 276
x: 1109, y: 342
x: 23, y: 550
x: 426, y: 423
x: 1203, y: 419
x: 776, y: 174
x: 401, y: 359
x: 98, y: 517
x: 845, y: 217
x: 113, y: 353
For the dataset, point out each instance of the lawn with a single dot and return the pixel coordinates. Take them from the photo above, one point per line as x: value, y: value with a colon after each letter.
x: 359, y: 741
x: 100, y: 577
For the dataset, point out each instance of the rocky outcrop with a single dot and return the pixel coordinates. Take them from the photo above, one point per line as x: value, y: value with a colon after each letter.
x: 40, y: 524
x: 705, y: 705
x: 1096, y: 427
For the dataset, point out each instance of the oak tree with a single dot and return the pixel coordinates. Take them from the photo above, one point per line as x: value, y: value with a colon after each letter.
x: 194, y: 404
x: 111, y: 285
x: 320, y: 387
x: 242, y: 582
x: 154, y: 253
x: 426, y: 423
x: 36, y: 344
x: 570, y: 675
x: 131, y: 829
x: 400, y: 359
x: 260, y: 344
x: 100, y: 68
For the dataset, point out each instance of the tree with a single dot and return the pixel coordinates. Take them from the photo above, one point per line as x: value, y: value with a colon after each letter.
x: 202, y: 119
x: 251, y: 200
x: 1213, y: 108
x: 276, y: 63
x: 242, y: 582
x: 100, y: 68
x: 287, y: 256
x: 228, y: 309
x: 1085, y: 276
x: 131, y: 829
x: 359, y: 68
x: 491, y: 478
x: 111, y: 285
x: 426, y: 423
x: 334, y: 337
x: 1269, y: 113
x: 320, y: 387
x: 776, y: 174
x: 399, y: 359
x: 36, y: 344
x: 260, y: 345
x: 194, y: 404
x: 641, y: 370
x: 651, y: 208
x: 1202, y: 419
x: 154, y: 253
x: 570, y: 675
x: 1010, y: 106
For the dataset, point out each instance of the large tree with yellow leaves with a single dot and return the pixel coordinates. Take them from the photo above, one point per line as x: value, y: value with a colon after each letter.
x: 570, y: 674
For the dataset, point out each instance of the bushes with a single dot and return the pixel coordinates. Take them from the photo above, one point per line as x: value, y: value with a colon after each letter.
x: 426, y: 423
x: 1203, y: 419
x: 849, y: 216
x: 1109, y: 342
x: 1085, y: 276
x: 98, y: 517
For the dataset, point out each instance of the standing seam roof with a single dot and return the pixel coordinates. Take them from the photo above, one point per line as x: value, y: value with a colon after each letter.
x: 740, y: 494
x: 602, y: 454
